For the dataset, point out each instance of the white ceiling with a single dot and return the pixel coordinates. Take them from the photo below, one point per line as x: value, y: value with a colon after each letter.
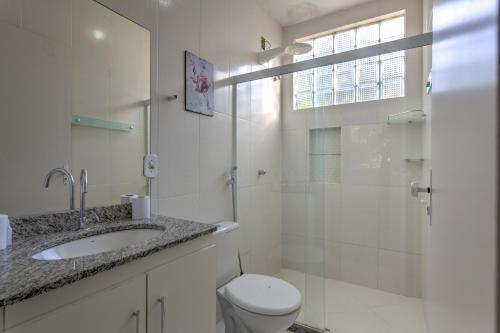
x: 288, y: 12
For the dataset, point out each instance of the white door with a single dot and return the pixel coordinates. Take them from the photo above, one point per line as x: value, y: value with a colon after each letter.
x: 181, y: 294
x: 462, y: 253
x: 121, y: 309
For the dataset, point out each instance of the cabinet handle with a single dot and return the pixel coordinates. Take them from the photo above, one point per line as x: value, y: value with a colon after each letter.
x: 161, y: 300
x: 137, y: 315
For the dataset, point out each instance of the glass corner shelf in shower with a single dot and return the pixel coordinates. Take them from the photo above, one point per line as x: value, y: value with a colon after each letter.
x: 407, y: 117
x: 99, y: 123
x: 416, y: 159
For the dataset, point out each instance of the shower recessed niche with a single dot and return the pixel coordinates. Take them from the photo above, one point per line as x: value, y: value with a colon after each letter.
x: 325, y: 155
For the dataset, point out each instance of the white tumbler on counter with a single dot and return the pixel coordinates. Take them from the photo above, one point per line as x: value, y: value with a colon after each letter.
x: 127, y: 198
x: 9, y: 235
x: 141, y: 207
x: 5, y: 233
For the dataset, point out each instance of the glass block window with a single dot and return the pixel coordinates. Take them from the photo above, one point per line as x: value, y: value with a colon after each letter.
x: 362, y: 80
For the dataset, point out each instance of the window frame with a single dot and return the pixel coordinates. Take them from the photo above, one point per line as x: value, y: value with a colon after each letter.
x: 355, y: 88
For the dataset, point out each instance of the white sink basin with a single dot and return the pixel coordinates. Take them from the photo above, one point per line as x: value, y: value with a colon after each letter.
x: 97, y: 244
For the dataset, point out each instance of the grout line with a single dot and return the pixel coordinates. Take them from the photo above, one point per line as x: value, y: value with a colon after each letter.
x: 378, y: 268
x: 347, y: 243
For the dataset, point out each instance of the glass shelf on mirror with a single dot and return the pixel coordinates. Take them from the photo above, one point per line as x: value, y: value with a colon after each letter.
x: 100, y: 123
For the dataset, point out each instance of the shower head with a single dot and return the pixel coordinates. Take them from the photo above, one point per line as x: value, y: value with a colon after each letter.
x: 298, y: 48
x: 293, y: 49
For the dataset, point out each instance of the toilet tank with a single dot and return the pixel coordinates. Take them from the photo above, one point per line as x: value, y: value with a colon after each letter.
x: 227, y: 240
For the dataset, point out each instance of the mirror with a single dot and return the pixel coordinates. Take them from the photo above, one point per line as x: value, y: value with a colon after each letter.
x: 75, y: 91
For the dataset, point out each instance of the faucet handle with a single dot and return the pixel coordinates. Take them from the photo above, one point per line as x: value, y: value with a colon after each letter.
x: 94, y: 218
x: 84, y: 181
x: 83, y: 191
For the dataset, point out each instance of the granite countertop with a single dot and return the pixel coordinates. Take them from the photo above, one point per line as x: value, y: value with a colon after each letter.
x: 22, y: 277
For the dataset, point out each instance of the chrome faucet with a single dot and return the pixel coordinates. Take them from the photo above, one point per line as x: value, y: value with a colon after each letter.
x: 68, y: 177
x: 84, y: 189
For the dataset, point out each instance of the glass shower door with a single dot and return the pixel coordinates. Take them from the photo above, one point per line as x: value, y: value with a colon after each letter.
x: 323, y: 211
x: 314, y: 267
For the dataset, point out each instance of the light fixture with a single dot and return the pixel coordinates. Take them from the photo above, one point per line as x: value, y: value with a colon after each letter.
x: 293, y: 49
x: 99, y: 35
x: 166, y: 3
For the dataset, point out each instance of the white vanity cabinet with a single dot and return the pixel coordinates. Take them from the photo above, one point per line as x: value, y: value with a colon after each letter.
x: 174, y: 288
x: 118, y: 309
x: 181, y: 295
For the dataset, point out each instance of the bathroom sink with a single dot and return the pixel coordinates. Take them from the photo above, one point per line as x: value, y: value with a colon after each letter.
x: 97, y: 244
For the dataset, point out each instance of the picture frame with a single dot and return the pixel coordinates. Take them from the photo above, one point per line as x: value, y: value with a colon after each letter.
x: 198, y: 85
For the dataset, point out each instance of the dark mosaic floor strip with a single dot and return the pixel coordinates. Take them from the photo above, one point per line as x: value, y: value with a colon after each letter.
x: 298, y: 328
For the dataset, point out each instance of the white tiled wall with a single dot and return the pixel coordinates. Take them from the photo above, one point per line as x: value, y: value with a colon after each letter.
x: 58, y: 70
x: 196, y: 151
x: 259, y: 197
x: 366, y: 217
x: 370, y: 235
x: 111, y: 81
x: 368, y: 224
x: 34, y: 131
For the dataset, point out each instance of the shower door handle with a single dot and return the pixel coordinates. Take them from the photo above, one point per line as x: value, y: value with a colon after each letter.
x: 415, y: 189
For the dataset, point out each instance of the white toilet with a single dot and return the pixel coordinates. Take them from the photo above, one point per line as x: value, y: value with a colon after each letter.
x: 250, y: 303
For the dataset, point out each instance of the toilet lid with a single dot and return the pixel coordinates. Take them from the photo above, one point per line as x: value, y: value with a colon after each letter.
x: 264, y: 295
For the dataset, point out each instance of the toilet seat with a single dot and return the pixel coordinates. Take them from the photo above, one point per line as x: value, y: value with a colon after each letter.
x: 263, y: 295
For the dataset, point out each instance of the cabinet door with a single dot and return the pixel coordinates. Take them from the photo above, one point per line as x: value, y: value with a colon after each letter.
x: 109, y: 311
x: 186, y: 287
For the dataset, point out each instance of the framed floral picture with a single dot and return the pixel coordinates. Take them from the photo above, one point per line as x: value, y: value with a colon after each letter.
x: 199, y: 85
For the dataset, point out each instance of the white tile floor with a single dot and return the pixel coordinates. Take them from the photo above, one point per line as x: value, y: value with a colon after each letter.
x: 350, y: 308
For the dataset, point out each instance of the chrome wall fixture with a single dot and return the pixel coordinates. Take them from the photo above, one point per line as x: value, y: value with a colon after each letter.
x: 415, y: 189
x: 68, y: 177
x: 84, y: 189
